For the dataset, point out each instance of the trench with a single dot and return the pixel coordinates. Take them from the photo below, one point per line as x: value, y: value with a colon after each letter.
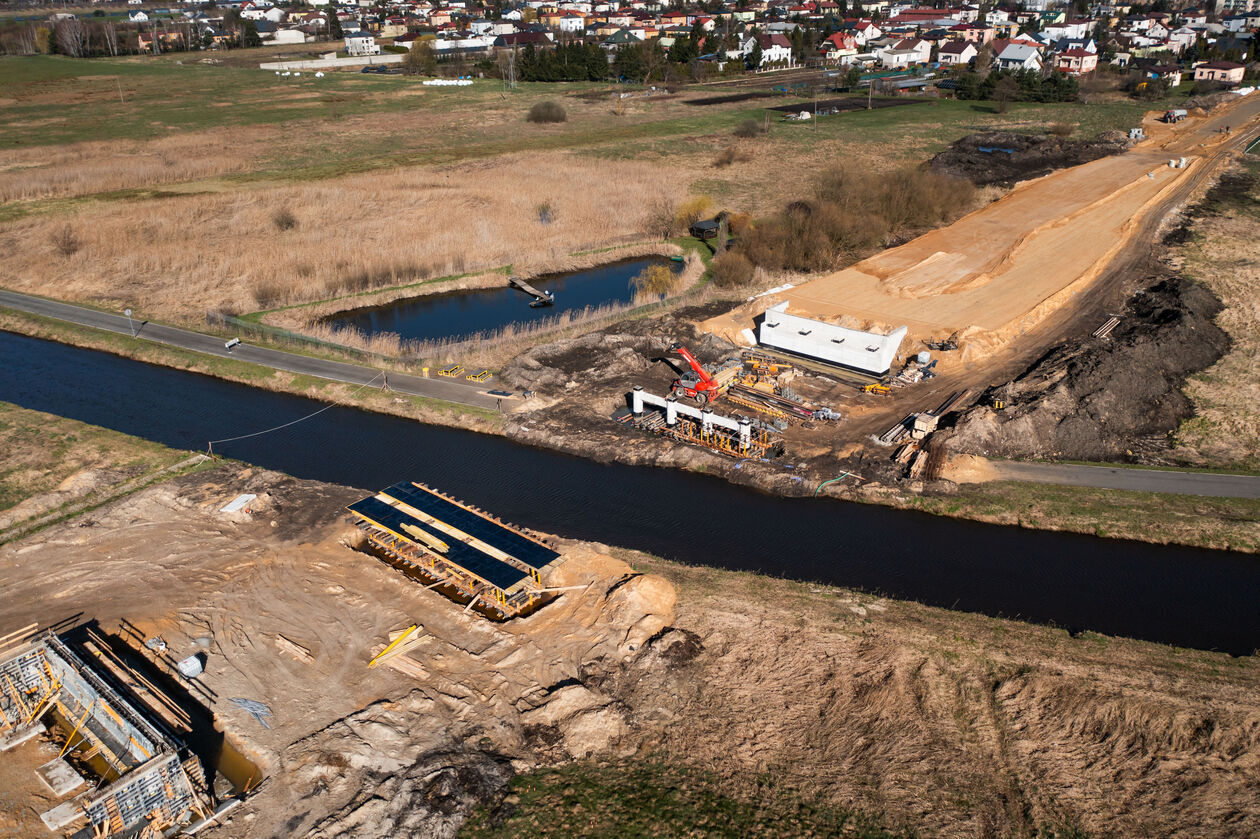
x: 461, y: 314
x: 1188, y: 597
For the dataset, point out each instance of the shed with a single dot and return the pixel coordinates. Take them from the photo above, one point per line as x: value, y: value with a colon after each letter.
x: 707, y: 229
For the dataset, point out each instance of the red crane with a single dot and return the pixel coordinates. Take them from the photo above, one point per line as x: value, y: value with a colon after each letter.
x: 698, y: 384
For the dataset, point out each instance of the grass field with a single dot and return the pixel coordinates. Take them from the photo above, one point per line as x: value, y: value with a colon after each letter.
x: 175, y: 187
x: 658, y: 801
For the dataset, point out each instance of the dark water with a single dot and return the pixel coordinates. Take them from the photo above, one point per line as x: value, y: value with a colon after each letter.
x: 463, y: 313
x: 1183, y: 596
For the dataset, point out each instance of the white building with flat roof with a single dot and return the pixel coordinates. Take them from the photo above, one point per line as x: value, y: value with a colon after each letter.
x: 868, y: 352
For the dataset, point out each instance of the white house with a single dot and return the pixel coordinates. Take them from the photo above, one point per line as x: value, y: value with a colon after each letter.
x: 905, y: 53
x: 957, y: 52
x: 774, y: 48
x: 1019, y: 57
x: 571, y: 22
x: 361, y: 43
x: 868, y: 352
x: 290, y: 36
x: 138, y: 17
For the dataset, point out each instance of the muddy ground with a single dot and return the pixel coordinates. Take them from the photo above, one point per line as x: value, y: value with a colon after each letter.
x: 1032, y: 156
x: 953, y: 724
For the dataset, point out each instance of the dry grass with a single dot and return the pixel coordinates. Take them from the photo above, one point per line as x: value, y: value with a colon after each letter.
x: 185, y: 255
x: 86, y: 168
x: 1225, y: 257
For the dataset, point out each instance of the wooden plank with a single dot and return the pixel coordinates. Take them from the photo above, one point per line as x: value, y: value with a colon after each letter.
x: 296, y: 650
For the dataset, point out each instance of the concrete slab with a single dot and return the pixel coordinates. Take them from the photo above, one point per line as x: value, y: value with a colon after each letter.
x: 18, y: 736
x: 60, y: 777
x: 62, y: 815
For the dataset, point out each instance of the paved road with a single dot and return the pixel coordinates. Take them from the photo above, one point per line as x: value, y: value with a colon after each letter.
x: 451, y: 390
x: 1144, y: 480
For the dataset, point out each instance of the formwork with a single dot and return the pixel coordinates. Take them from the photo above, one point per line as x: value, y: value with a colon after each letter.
x: 150, y: 777
x: 496, y: 566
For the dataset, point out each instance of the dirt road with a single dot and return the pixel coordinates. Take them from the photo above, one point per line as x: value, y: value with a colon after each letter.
x: 1001, y: 270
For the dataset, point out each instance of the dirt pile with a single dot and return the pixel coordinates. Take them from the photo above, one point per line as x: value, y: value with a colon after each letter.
x: 1031, y: 156
x: 612, y: 358
x: 1104, y: 399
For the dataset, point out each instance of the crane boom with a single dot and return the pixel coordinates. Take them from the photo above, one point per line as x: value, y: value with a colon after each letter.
x: 695, y: 365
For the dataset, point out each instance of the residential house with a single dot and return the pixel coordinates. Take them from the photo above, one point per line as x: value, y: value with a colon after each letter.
x: 1076, y: 61
x: 1170, y: 73
x: 1019, y: 57
x: 905, y: 53
x: 1226, y: 72
x: 974, y: 32
x: 775, y: 49
x: 837, y: 45
x: 957, y: 52
x: 361, y: 43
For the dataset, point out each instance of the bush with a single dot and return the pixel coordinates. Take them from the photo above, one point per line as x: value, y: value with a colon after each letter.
x: 691, y: 211
x: 731, y: 269
x: 749, y: 128
x: 852, y: 211
x: 546, y: 212
x: 729, y: 155
x: 655, y: 279
x: 1062, y: 129
x: 547, y: 111
x: 65, y: 242
x: 660, y: 219
x: 284, y: 219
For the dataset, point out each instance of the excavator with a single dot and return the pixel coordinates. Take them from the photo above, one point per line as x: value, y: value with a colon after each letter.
x: 697, y: 384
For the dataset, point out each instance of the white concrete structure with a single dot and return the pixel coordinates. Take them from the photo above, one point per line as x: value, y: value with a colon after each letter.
x: 868, y: 352
x: 708, y: 419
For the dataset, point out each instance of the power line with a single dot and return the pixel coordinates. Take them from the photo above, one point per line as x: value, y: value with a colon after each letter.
x: 210, y: 444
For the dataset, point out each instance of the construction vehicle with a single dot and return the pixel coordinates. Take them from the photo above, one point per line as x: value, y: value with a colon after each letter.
x: 877, y: 388
x: 1175, y: 115
x: 698, y: 384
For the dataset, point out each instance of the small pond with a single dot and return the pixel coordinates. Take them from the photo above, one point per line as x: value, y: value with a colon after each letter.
x: 466, y: 313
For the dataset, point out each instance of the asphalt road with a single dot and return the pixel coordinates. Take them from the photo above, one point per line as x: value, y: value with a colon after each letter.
x: 1143, y: 480
x: 450, y: 390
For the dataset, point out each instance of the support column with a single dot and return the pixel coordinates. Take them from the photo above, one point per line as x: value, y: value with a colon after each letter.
x: 745, y: 435
x: 671, y: 410
x: 636, y: 401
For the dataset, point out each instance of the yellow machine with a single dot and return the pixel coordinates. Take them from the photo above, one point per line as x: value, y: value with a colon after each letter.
x: 877, y: 388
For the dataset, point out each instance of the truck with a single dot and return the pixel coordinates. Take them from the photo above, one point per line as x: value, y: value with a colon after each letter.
x: 1175, y: 115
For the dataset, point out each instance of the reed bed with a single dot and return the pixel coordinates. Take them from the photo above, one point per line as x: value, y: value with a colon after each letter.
x: 185, y: 255
x: 88, y: 168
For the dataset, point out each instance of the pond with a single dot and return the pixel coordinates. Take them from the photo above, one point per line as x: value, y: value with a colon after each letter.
x: 467, y: 313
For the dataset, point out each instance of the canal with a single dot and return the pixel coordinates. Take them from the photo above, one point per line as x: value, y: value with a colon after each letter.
x: 1183, y: 596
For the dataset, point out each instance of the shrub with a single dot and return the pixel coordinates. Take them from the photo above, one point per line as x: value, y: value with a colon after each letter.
x: 547, y: 111
x: 731, y: 269
x: 737, y: 224
x: 692, y: 210
x: 546, y: 212
x: 729, y: 155
x: 1062, y: 129
x: 65, y: 242
x: 660, y: 219
x: 268, y: 293
x: 284, y: 219
x: 749, y: 128
x: 655, y: 279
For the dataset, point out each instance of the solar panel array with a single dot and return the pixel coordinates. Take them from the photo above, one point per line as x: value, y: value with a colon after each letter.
x: 491, y: 569
x: 479, y: 527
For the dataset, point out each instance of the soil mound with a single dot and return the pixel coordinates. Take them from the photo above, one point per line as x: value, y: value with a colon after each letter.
x: 1029, y: 156
x: 1104, y: 399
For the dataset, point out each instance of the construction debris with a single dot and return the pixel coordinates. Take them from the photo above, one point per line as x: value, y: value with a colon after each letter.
x: 299, y: 652
x: 258, y: 710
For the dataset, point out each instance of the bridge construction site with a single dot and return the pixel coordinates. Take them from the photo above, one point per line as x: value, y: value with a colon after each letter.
x: 123, y: 768
x: 469, y: 554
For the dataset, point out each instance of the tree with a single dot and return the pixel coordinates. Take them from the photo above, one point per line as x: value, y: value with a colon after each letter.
x: 853, y: 77
x: 335, y: 32
x: 1005, y: 90
x: 249, y: 35
x: 754, y: 57
x: 71, y: 37
x: 420, y: 59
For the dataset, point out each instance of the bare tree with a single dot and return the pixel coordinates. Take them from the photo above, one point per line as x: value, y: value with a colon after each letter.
x: 109, y: 34
x: 71, y: 37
